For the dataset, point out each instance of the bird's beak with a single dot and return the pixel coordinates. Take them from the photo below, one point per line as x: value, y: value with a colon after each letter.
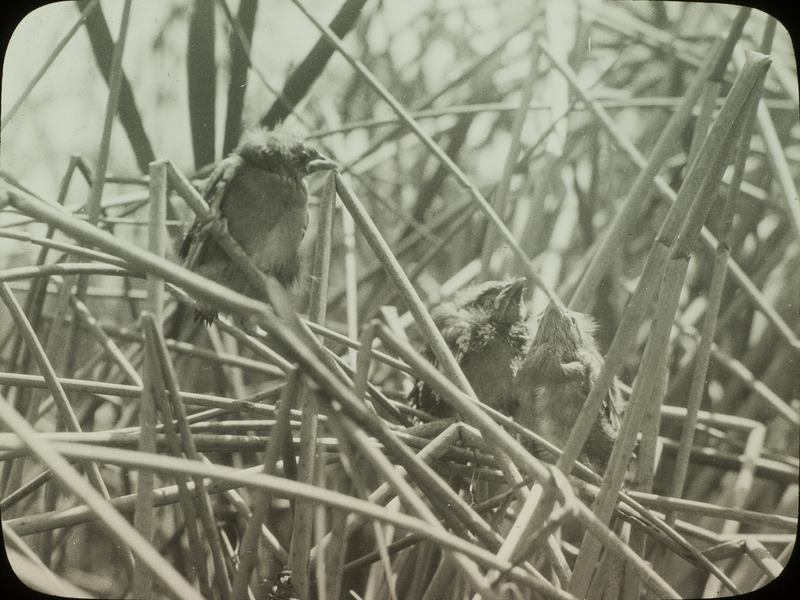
x: 508, y: 304
x: 555, y: 318
x: 321, y: 164
x: 555, y: 310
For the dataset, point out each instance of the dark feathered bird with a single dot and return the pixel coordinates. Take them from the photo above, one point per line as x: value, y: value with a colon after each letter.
x: 260, y: 192
x: 486, y: 327
x: 555, y: 377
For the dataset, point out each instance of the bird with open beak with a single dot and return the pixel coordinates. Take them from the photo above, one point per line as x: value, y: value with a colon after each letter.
x: 486, y: 327
x: 554, y: 380
x: 261, y: 193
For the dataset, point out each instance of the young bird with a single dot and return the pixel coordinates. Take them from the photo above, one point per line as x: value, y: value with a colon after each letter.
x: 486, y: 327
x: 555, y: 377
x: 260, y: 192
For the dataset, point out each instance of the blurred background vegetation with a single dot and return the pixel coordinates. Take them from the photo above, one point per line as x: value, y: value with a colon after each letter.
x: 476, y: 80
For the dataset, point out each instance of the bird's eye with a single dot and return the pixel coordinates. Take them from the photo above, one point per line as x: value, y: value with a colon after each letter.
x: 305, y: 156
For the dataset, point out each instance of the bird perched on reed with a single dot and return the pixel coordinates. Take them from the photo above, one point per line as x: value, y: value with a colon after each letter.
x: 260, y: 192
x: 554, y: 380
x: 486, y: 327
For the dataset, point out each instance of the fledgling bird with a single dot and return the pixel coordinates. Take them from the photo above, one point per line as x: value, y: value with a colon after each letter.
x: 261, y: 193
x: 554, y: 380
x: 486, y: 327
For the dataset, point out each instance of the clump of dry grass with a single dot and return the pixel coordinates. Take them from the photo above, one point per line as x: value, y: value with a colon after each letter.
x: 620, y: 157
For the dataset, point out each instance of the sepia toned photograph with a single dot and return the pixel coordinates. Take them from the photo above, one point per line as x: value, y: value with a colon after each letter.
x: 383, y: 300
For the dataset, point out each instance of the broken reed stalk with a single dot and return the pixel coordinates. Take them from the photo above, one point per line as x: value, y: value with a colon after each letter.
x: 651, y: 274
x: 703, y: 353
x: 678, y: 230
x: 648, y: 175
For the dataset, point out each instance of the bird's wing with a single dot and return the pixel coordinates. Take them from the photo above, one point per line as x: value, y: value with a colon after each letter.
x: 425, y: 398
x: 213, y: 191
x: 188, y: 239
x: 214, y: 187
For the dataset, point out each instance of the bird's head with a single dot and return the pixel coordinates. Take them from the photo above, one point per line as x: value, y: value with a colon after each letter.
x: 563, y: 330
x: 281, y: 151
x: 481, y: 310
x: 501, y: 299
x: 508, y: 306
